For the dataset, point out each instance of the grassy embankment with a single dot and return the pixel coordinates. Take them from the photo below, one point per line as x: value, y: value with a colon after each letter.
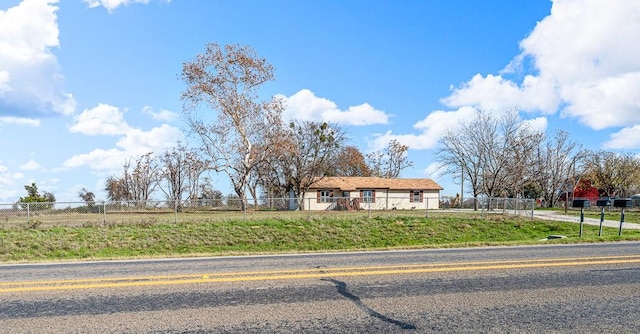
x: 198, y: 238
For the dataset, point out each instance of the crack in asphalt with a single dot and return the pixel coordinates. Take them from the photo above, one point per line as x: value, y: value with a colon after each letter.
x: 342, y: 289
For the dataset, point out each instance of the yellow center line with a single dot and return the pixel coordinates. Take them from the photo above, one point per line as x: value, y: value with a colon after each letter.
x: 114, y: 282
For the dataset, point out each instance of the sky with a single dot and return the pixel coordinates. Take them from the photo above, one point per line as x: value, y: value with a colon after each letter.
x: 87, y: 84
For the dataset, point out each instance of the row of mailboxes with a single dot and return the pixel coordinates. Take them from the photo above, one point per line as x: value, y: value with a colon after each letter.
x: 618, y: 203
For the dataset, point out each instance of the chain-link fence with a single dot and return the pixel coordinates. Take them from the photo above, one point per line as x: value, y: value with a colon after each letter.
x: 516, y: 206
x: 230, y: 209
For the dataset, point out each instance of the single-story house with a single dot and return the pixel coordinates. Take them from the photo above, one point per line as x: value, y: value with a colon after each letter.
x: 375, y: 193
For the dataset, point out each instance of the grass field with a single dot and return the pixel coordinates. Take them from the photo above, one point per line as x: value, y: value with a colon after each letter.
x: 280, y: 233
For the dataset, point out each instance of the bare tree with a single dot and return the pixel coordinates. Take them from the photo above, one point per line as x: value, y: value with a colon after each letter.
x: 136, y: 183
x: 87, y: 196
x: 389, y: 162
x: 273, y: 172
x: 197, y: 166
x: 613, y: 173
x: 307, y: 151
x: 116, y: 188
x: 461, y: 152
x: 494, y: 154
x: 208, y: 195
x: 181, y: 169
x: 226, y: 81
x: 515, y: 153
x: 556, y: 163
x: 143, y: 178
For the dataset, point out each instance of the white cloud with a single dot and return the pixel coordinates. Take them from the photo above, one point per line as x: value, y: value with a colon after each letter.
x: 20, y: 121
x: 306, y: 106
x: 109, y: 120
x: 586, y: 62
x: 610, y: 102
x: 110, y: 5
x: 155, y: 140
x: 30, y: 77
x: 627, y: 138
x: 538, y: 124
x: 497, y: 94
x: 434, y: 170
x: 587, y: 48
x: 103, y: 119
x: 432, y: 128
x: 437, y: 124
x: 7, y: 180
x: 99, y: 159
x: 4, y: 82
x: 163, y: 115
x: 31, y: 165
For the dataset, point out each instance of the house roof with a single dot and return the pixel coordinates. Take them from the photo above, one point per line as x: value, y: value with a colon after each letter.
x: 356, y: 183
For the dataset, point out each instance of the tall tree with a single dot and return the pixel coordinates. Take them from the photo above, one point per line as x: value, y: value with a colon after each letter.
x: 143, y: 178
x: 308, y: 149
x: 34, y: 196
x: 116, y: 188
x: 461, y: 154
x: 511, y: 152
x: 494, y: 154
x: 136, y: 183
x: 349, y: 161
x: 181, y: 169
x: 273, y: 170
x: 226, y: 81
x: 389, y: 162
x: 556, y: 164
x: 613, y: 173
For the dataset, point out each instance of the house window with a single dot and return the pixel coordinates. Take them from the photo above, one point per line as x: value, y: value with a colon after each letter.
x: 324, y: 196
x: 416, y: 196
x: 368, y: 196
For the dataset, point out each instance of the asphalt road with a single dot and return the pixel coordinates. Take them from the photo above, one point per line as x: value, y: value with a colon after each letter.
x: 575, y: 289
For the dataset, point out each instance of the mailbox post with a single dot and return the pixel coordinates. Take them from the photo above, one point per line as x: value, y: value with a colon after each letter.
x: 622, y: 204
x: 602, y: 203
x: 581, y: 203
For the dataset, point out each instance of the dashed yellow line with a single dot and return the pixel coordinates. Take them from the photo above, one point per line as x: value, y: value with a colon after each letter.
x: 159, y: 280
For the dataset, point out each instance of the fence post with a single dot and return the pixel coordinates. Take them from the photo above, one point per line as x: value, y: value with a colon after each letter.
x: 104, y: 212
x: 28, y: 213
x: 427, y: 208
x: 504, y: 206
x: 244, y: 206
x: 175, y: 210
x: 533, y: 207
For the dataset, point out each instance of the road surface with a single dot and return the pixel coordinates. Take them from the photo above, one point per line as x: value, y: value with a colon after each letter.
x: 570, y: 288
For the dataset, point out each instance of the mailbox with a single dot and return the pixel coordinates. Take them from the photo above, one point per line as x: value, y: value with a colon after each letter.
x: 622, y: 203
x: 581, y: 203
x: 604, y: 202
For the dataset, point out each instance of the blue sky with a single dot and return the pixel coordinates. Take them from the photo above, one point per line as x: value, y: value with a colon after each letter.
x: 85, y: 84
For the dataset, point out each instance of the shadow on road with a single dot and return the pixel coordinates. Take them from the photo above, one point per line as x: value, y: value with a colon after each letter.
x: 342, y: 289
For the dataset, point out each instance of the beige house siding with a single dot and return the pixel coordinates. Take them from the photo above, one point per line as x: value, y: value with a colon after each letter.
x: 335, y: 193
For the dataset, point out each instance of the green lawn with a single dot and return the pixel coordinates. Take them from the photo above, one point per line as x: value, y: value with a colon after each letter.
x: 273, y: 235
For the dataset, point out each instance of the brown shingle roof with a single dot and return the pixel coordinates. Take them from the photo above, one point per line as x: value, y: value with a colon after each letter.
x: 355, y: 183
